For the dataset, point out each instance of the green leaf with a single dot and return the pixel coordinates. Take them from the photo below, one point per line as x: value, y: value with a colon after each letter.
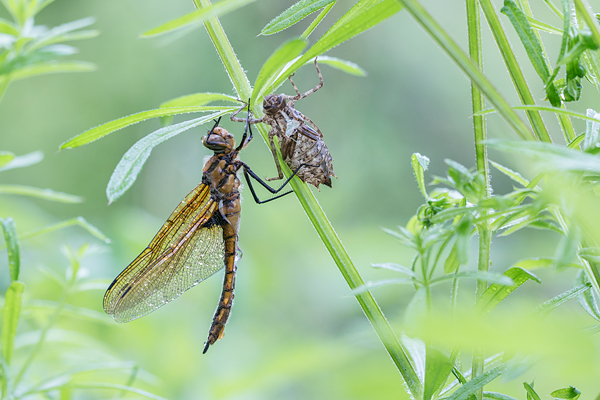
x: 395, y: 267
x: 575, y: 142
x: 46, y: 194
x: 417, y: 351
x: 5, y: 158
x: 472, y: 386
x: 547, y: 307
x: 534, y: 263
x: 542, y: 26
x: 491, y: 277
x: 420, y: 164
x: 570, y: 393
x: 533, y: 48
x: 69, y: 311
x: 364, y: 15
x: 365, y: 287
x: 463, y: 238
x: 549, y: 157
x: 221, y: 8
x: 117, y: 124
x: 497, y: 396
x: 452, y: 263
x: 496, y: 293
x: 23, y: 161
x: 591, y: 142
x: 198, y: 99
x: 345, y: 66
x: 12, y: 244
x: 134, y: 159
x: 531, y: 394
x: 515, y: 176
x: 78, y: 221
x: 566, y: 250
x: 10, y: 318
x: 294, y: 14
x: 437, y: 369
x: 587, y: 300
x: 274, y: 64
x: 52, y: 67
x: 63, y: 33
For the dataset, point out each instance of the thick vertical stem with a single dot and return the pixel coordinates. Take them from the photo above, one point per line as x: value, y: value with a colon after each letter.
x: 479, y: 129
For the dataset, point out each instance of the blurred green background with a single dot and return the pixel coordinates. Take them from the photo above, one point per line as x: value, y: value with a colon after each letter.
x: 295, y: 333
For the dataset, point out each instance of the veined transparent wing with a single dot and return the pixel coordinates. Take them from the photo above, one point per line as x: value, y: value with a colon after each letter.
x: 186, y: 250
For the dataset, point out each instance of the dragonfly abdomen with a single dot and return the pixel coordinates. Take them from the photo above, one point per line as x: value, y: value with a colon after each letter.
x: 217, y: 329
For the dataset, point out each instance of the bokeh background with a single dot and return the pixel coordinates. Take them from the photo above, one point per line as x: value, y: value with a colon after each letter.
x: 295, y: 331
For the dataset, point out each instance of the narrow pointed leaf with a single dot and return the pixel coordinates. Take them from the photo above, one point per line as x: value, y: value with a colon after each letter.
x: 497, y: 396
x: 23, y: 161
x: 515, y: 176
x: 491, y: 277
x: 569, y: 393
x: 294, y: 14
x: 531, y: 394
x: 198, y: 99
x: 270, y: 69
x: 10, y: 318
x: 12, y: 244
x: 546, y: 308
x: 364, y: 15
x: 77, y: 221
x: 196, y: 17
x: 52, y: 67
x: 46, y: 194
x: 496, y: 293
x: 549, y: 156
x: 452, y: 263
x: 384, y: 282
x: 472, y: 386
x: 437, y: 369
x: 117, y: 124
x: 134, y: 159
x: 420, y: 164
x: 395, y: 267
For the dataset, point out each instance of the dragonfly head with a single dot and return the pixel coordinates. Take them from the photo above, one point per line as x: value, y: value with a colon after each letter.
x: 219, y: 140
x: 273, y: 103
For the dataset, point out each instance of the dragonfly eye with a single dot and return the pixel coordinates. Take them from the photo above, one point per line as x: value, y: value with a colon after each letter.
x: 219, y: 140
x: 273, y: 103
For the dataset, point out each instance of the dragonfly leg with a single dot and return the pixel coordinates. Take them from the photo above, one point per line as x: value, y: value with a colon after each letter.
x: 245, y: 138
x: 248, y: 173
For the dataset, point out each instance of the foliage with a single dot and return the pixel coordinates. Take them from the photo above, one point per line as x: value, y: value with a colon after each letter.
x: 560, y: 199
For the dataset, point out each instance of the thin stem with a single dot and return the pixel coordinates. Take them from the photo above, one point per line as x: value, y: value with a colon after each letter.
x: 318, y: 218
x: 514, y: 69
x: 232, y: 65
x: 317, y: 21
x: 467, y: 66
x: 479, y: 130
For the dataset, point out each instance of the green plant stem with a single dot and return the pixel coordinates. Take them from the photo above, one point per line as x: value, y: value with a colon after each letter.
x: 514, y: 69
x: 467, y: 66
x: 590, y: 20
x: 232, y: 65
x: 317, y: 21
x: 480, y: 133
x: 318, y: 218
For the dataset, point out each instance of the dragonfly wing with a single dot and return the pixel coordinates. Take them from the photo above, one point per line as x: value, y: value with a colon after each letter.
x: 188, y: 249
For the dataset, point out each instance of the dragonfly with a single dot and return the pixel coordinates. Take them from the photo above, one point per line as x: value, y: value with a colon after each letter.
x: 199, y: 238
x: 300, y: 139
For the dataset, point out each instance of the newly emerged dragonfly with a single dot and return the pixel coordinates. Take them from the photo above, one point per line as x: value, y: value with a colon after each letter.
x: 199, y: 238
x: 300, y: 139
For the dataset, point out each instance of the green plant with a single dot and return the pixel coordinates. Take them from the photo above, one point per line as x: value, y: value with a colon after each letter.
x: 443, y: 227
